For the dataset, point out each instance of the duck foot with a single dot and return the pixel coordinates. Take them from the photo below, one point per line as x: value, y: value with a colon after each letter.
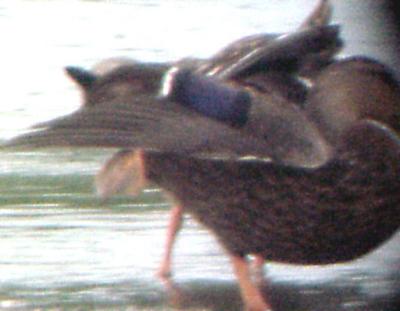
x: 252, y: 297
x: 257, y: 270
x: 175, y: 296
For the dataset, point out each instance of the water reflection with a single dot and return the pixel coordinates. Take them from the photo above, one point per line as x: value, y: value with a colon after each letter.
x: 61, y: 247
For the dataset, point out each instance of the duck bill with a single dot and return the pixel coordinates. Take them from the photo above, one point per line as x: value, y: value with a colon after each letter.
x: 123, y: 173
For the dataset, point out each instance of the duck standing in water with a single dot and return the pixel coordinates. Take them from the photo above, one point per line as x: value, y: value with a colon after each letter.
x: 306, y: 213
x: 324, y: 191
x: 120, y: 79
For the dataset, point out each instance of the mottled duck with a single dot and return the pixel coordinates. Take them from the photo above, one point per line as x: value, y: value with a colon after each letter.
x: 276, y: 73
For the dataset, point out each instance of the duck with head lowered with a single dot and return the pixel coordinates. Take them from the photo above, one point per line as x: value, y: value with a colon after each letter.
x: 328, y: 193
x: 266, y: 63
x: 323, y: 212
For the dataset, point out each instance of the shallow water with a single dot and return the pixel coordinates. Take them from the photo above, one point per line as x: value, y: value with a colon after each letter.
x: 61, y: 247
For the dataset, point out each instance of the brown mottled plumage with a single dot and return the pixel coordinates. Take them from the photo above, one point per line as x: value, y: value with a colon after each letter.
x: 329, y: 214
x: 352, y: 89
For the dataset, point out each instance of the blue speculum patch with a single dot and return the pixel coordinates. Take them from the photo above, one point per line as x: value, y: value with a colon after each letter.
x: 212, y: 98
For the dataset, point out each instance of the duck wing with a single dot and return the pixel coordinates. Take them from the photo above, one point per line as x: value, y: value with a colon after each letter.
x: 261, y: 51
x: 166, y: 126
x: 320, y: 16
x: 291, y: 137
x: 143, y: 122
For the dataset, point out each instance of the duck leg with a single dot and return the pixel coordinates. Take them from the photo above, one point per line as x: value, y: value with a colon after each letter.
x: 251, y: 295
x: 175, y: 223
x: 257, y: 266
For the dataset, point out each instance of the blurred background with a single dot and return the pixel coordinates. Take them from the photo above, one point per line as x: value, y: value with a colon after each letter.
x: 61, y: 248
